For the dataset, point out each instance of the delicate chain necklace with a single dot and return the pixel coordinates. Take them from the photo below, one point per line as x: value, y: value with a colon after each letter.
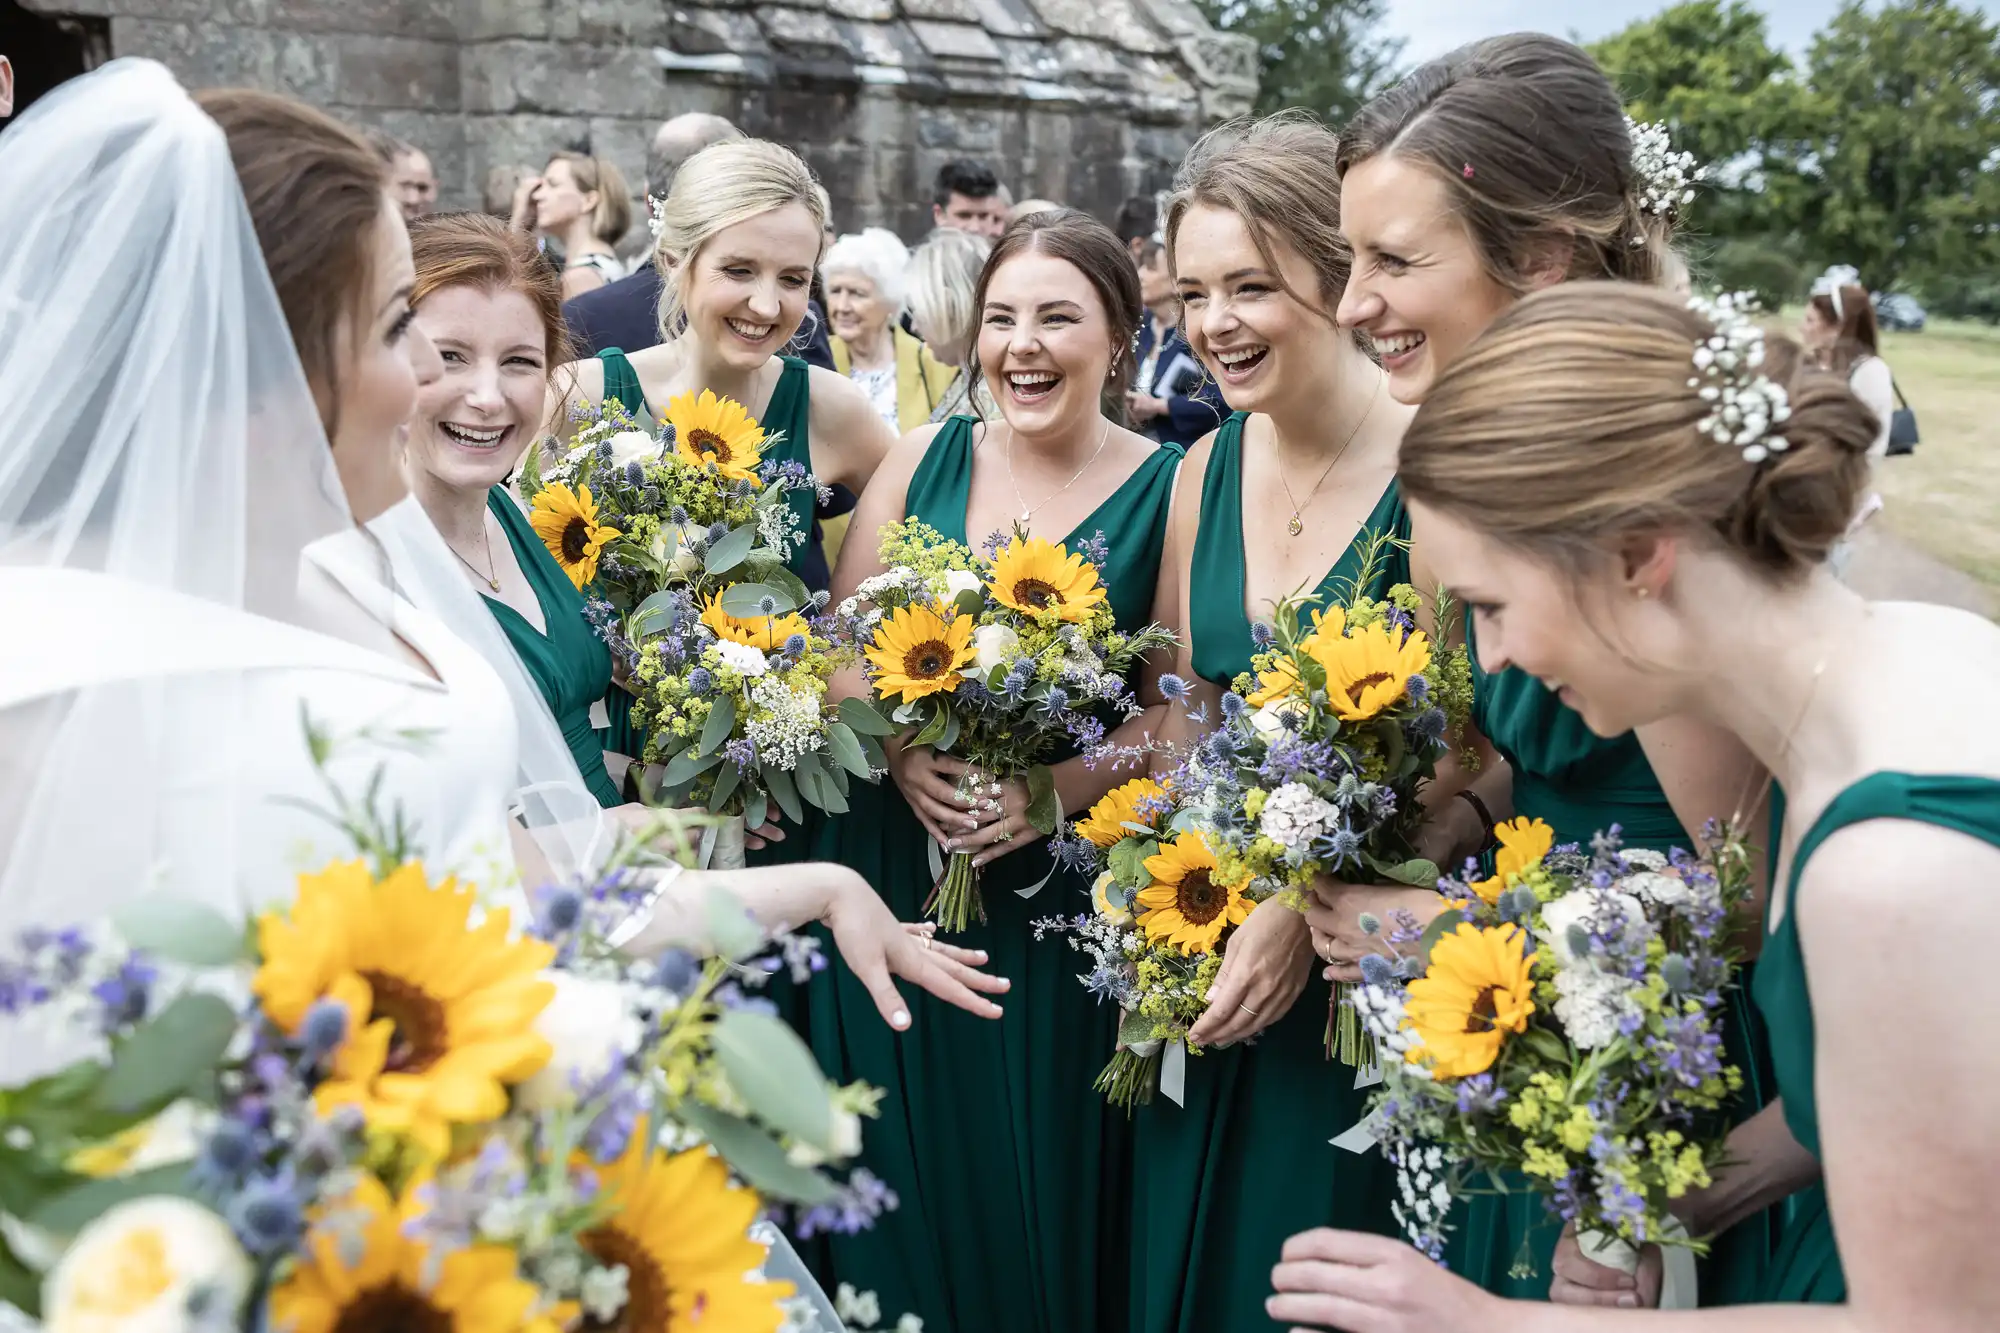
x: 1298, y: 524
x: 1743, y: 804
x: 491, y: 578
x: 1028, y: 510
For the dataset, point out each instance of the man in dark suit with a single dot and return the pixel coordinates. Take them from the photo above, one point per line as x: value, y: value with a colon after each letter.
x: 1173, y: 397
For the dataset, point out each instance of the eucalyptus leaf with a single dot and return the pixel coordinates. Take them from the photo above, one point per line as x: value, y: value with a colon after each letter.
x: 179, y: 930
x: 951, y: 729
x: 640, y: 622
x: 878, y: 760
x: 727, y: 779
x: 20, y: 1285
x: 786, y: 793
x: 69, y: 1212
x: 970, y: 602
x: 757, y: 1157
x: 731, y: 931
x: 745, y: 600
x: 1441, y: 925
x: 729, y: 552
x: 794, y: 586
x: 1417, y: 872
x: 1044, y: 810
x: 170, y: 1054
x: 687, y: 766
x: 775, y: 1074
x: 1547, y: 1045
x: 833, y: 793
x: 864, y: 719
x: 721, y: 721
x: 933, y: 731
x: 757, y: 809
x: 846, y: 749
x: 906, y: 714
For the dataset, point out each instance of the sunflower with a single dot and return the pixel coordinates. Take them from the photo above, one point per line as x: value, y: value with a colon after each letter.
x: 1032, y: 575
x: 1281, y: 680
x: 1476, y: 991
x: 767, y: 633
x: 396, y: 1283
x: 1105, y: 824
x: 1186, y: 905
x: 566, y: 521
x: 440, y: 1012
x: 1369, y: 669
x: 1523, y: 843
x: 717, y: 432
x: 681, y: 1231
x: 917, y: 653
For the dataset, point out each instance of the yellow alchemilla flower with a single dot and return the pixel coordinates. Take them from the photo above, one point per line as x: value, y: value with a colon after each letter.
x: 1476, y: 991
x: 1370, y: 669
x: 440, y: 1012
x: 681, y: 1231
x: 1523, y: 844
x: 398, y: 1283
x: 767, y: 633
x: 917, y: 653
x: 1033, y: 575
x: 718, y: 432
x: 1105, y: 824
x: 566, y: 521
x: 1190, y: 903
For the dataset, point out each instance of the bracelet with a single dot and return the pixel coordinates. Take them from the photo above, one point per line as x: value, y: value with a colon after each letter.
x: 1471, y: 798
x: 642, y: 916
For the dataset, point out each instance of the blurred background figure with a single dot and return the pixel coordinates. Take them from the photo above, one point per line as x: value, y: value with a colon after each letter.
x: 503, y: 184
x: 582, y: 204
x: 1138, y: 221
x: 1838, y: 328
x: 6, y: 88
x: 411, y: 181
x: 866, y: 276
x: 940, y: 283
x: 1172, y: 396
x: 968, y: 196
x: 1029, y: 207
x: 39, y: 52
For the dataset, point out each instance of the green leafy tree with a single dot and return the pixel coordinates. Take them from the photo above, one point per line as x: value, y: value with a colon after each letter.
x: 1328, y: 56
x: 1708, y: 70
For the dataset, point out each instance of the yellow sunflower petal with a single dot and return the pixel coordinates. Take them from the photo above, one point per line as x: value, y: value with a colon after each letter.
x: 717, y: 432
x: 1035, y: 576
x: 1476, y: 990
x: 1187, y: 905
x: 566, y: 521
x: 766, y: 633
x: 917, y: 653
x: 1105, y: 824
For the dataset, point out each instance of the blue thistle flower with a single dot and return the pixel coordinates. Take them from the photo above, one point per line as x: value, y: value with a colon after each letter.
x: 678, y: 514
x: 323, y: 1029
x: 677, y: 972
x: 1377, y: 970
x: 767, y: 605
x: 267, y: 1215
x: 700, y: 680
x: 1057, y: 699
x: 795, y: 645
x: 1262, y: 635
x: 1234, y: 706
x: 225, y: 1156
x: 1418, y: 688
x: 668, y: 435
x: 635, y: 474
x: 717, y: 531
x: 650, y: 497
x: 1173, y: 688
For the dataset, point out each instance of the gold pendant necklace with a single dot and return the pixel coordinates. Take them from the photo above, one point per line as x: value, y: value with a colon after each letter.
x: 1298, y: 524
x: 492, y: 577
x: 1028, y: 510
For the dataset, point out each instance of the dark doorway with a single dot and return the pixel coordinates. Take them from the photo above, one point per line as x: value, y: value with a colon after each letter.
x: 47, y: 49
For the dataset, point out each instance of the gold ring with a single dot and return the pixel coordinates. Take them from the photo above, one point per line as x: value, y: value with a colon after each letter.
x: 1247, y: 1009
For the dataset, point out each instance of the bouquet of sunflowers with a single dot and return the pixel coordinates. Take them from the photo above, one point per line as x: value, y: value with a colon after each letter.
x: 380, y: 1106
x: 1161, y: 911
x: 1563, y: 1019
x: 1324, y: 748
x: 1002, y: 659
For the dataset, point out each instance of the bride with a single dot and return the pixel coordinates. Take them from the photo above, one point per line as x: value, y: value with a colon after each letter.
x: 232, y: 645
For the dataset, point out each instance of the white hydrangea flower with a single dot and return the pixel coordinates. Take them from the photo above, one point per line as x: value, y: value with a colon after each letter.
x: 1665, y: 890
x: 1644, y: 857
x: 1578, y: 908
x: 785, y: 725
x: 857, y: 1307
x: 750, y: 662
x: 1293, y: 817
x: 1589, y: 1004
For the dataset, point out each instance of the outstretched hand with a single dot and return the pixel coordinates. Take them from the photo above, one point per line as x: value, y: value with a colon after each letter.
x: 1359, y: 1283
x: 876, y: 947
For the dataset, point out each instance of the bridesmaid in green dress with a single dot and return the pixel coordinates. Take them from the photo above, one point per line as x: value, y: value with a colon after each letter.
x: 1563, y: 464
x: 1012, y: 1172
x: 1281, y: 499
x: 1524, y: 137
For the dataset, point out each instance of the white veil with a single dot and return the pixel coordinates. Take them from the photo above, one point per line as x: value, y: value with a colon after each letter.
x: 162, y: 460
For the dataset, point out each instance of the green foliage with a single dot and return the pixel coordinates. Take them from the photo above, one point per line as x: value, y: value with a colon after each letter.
x: 1325, y: 55
x: 1749, y: 265
x: 1708, y: 70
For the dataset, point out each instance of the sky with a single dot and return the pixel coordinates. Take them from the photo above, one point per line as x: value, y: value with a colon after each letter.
x: 1433, y: 27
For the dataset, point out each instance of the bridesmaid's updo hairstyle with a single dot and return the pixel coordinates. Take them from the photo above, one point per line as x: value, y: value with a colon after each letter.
x: 722, y: 185
x: 1571, y: 425
x: 1529, y: 140
x: 316, y: 194
x: 1278, y: 175
x: 480, y: 250
x: 1095, y: 251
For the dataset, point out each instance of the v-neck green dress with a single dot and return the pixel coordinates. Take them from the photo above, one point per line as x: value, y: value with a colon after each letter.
x: 1580, y: 784
x: 1013, y: 1174
x: 1807, y: 1269
x: 568, y: 662
x: 1224, y: 1180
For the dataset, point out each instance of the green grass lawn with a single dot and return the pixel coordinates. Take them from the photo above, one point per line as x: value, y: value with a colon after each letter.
x: 1945, y: 498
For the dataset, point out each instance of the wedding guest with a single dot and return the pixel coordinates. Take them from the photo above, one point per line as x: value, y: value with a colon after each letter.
x: 581, y: 203
x: 6, y: 88
x: 1839, y: 330
x: 1029, y: 207
x: 411, y: 179
x: 1138, y: 223
x: 967, y: 195
x: 865, y: 291
x: 1173, y: 397
x: 942, y: 279
x: 503, y: 183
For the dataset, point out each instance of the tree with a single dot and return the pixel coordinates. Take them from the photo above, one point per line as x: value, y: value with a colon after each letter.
x: 1328, y: 56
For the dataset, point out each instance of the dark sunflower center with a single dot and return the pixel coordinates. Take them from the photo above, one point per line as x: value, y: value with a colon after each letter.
x: 575, y: 540
x: 392, y: 1309
x: 1200, y: 899
x: 707, y: 444
x: 418, y: 1039
x: 927, y: 660
x: 1480, y: 1017
x: 646, y: 1292
x: 1036, y: 593
x: 1372, y: 678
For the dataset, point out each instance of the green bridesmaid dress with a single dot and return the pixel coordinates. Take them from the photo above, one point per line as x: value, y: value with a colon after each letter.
x: 1580, y: 784
x: 1222, y: 1181
x: 1012, y: 1172
x: 1807, y: 1268
x: 565, y: 658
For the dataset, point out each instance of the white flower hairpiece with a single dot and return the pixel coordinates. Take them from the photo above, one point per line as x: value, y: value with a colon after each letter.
x: 656, y: 215
x: 1744, y: 403
x: 1666, y: 178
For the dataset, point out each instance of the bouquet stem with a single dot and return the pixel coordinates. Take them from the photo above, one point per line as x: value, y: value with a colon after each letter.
x: 1130, y: 1079
x: 955, y: 899
x: 1345, y: 1041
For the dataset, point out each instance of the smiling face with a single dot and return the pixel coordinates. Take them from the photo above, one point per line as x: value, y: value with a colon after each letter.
x: 558, y: 199
x: 1045, y: 342
x: 854, y: 307
x: 746, y: 289
x: 1419, y: 287
x: 474, y: 420
x: 1241, y: 318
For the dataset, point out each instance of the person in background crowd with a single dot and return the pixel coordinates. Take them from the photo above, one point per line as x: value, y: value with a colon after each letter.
x: 865, y: 288
x: 1029, y: 207
x: 942, y: 277
x: 1138, y: 222
x: 411, y: 180
x: 969, y: 196
x: 503, y: 185
x: 581, y: 203
x: 1172, y: 397
x: 6, y: 88
x: 1839, y: 332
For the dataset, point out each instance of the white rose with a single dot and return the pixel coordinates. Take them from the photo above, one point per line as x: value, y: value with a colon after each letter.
x: 589, y: 1028
x: 1575, y: 909
x: 747, y: 660
x: 139, y: 1266
x: 674, y: 548
x: 845, y: 1138
x: 1269, y: 721
x: 995, y: 644
x: 633, y: 446
x: 957, y: 581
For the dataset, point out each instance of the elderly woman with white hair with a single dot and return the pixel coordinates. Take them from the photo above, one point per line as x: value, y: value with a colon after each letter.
x: 865, y: 287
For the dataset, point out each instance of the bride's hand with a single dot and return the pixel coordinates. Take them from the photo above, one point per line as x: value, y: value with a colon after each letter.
x: 875, y: 946
x: 1265, y: 965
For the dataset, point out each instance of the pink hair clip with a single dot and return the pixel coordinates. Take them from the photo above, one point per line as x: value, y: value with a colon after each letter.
x: 1468, y: 171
